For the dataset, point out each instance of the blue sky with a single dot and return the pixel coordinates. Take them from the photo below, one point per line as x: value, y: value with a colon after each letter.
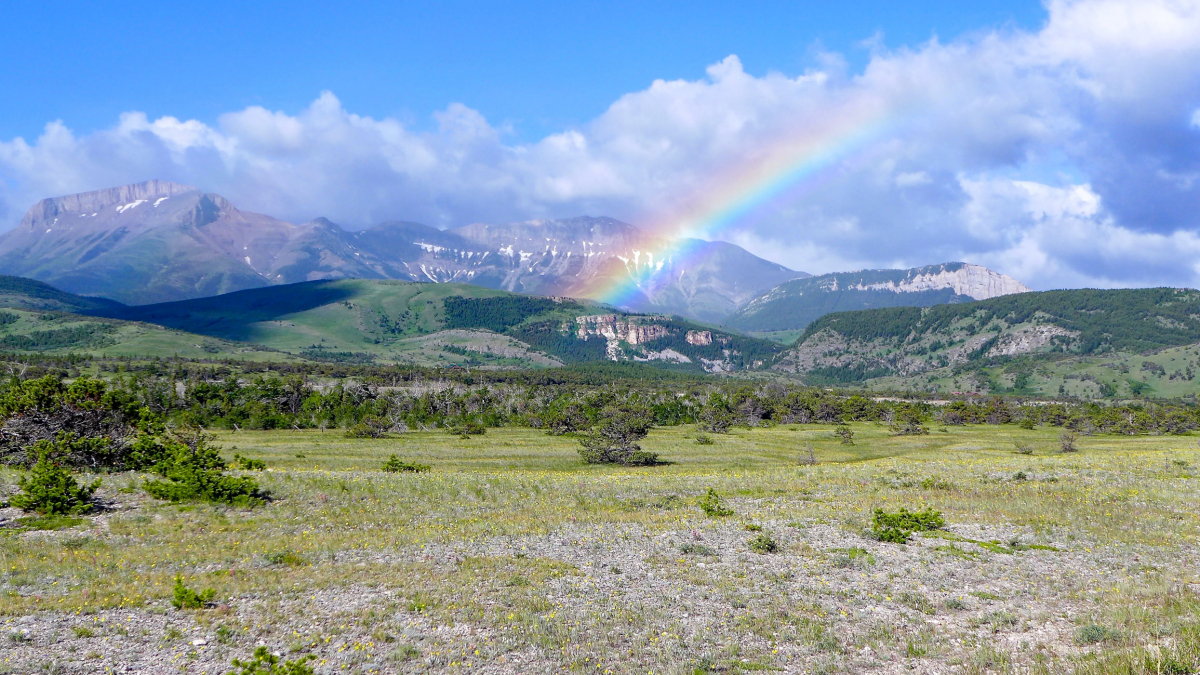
x: 1056, y: 142
x: 538, y: 67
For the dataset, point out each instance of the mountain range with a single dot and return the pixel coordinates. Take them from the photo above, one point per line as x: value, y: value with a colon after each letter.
x: 158, y: 241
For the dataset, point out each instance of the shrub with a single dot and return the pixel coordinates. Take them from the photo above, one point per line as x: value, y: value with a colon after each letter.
x: 1024, y: 448
x: 396, y: 465
x: 369, y: 427
x: 50, y: 489
x: 467, y: 428
x: 99, y: 421
x: 247, y: 464
x: 287, y: 558
x: 193, y: 469
x: 717, y: 416
x: 1067, y: 439
x: 936, y: 483
x: 704, y: 440
x: 691, y: 548
x: 1091, y: 634
x: 266, y: 663
x: 712, y: 507
x: 908, y: 422
x: 186, y: 598
x: 762, y: 543
x: 845, y: 433
x: 613, y: 440
x: 898, y: 527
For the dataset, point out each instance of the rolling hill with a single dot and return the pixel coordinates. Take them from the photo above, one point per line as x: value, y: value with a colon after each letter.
x: 21, y: 293
x: 1092, y: 343
x: 794, y: 304
x: 158, y: 242
x: 448, y: 324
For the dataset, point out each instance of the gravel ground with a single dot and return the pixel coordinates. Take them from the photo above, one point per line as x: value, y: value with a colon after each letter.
x: 632, y: 601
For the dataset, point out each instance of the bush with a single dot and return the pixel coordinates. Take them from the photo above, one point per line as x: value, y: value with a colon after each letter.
x: 467, y: 428
x: 845, y: 433
x: 396, y: 465
x: 704, y: 440
x: 186, y: 598
x: 762, y: 543
x: 193, y: 469
x: 908, y: 422
x: 1024, y: 448
x: 50, y: 489
x: 613, y: 440
x: 898, y: 527
x: 247, y: 464
x: 369, y: 427
x: 266, y: 663
x: 99, y: 421
x: 712, y: 507
x: 692, y: 548
x: 1091, y: 634
x: 1067, y: 439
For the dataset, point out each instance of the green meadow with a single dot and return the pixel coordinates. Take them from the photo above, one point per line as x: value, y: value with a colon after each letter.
x: 510, y: 555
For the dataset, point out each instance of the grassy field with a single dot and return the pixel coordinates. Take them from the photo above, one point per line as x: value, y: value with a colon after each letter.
x: 511, y: 556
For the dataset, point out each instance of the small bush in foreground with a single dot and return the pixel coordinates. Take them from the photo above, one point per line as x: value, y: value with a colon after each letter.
x: 186, y: 598
x: 762, y: 543
x: 702, y: 439
x: 193, y: 469
x: 712, y: 507
x: 247, y: 464
x: 1091, y: 634
x: 397, y: 465
x: 691, y: 548
x: 898, y: 527
x: 51, y: 490
x: 1024, y: 448
x: 266, y: 663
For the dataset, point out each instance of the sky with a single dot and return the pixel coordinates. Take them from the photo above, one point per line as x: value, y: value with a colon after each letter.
x: 1056, y: 142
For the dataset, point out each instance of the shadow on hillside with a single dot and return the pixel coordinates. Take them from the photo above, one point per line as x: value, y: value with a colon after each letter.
x: 231, y: 315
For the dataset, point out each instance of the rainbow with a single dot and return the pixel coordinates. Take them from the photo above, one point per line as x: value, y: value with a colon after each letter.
x: 781, y: 173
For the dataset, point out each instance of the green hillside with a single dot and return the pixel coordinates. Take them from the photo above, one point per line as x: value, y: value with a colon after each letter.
x: 1093, y: 343
x: 56, y: 333
x: 22, y: 293
x: 447, y: 324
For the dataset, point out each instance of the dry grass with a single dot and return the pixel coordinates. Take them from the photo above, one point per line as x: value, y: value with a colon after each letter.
x: 511, y: 555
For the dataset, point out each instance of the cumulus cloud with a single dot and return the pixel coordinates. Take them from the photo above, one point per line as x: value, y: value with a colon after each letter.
x: 1064, y: 156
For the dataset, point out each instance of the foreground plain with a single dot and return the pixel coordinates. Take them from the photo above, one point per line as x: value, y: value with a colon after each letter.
x: 511, y: 556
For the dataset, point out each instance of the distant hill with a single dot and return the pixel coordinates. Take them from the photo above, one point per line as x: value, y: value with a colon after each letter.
x: 57, y: 333
x: 158, y: 242
x: 21, y: 293
x: 449, y: 324
x: 794, y: 304
x: 1080, y: 342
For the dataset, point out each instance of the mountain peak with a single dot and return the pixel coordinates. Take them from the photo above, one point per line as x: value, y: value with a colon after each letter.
x: 91, y: 202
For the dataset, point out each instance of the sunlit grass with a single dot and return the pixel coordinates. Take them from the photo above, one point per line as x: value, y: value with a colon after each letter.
x: 337, y: 521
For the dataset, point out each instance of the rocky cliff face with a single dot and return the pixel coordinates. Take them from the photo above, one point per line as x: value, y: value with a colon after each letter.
x: 795, y: 304
x: 973, y: 281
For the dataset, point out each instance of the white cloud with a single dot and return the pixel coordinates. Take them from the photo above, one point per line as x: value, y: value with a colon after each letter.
x: 1107, y: 91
